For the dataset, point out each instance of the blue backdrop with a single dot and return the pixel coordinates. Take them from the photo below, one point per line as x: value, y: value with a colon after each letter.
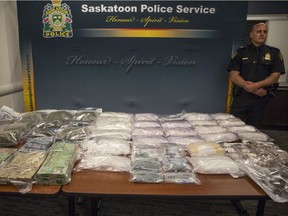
x: 150, y: 56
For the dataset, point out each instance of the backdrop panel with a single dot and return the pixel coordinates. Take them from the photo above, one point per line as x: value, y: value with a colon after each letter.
x: 150, y: 56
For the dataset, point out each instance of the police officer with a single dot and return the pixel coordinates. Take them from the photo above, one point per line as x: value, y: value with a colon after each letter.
x: 254, y: 69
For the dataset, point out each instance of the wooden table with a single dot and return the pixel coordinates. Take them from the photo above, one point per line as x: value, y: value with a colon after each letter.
x: 98, y: 185
x: 36, y: 191
x: 42, y: 190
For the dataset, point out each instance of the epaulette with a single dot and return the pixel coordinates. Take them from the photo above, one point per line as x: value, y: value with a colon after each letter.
x: 271, y: 47
x: 241, y: 48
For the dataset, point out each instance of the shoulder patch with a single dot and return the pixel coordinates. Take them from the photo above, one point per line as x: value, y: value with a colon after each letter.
x: 242, y: 47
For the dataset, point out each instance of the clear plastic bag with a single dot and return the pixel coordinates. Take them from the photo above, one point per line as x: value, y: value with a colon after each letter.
x: 146, y: 117
x: 175, y: 124
x: 185, y: 140
x: 194, y: 116
x: 244, y: 128
x: 265, y: 163
x: 156, y: 131
x: 146, y: 164
x: 231, y: 122
x: 189, y: 131
x: 215, y: 165
x: 146, y: 124
x: 210, y: 129
x: 171, y: 150
x: 106, y: 146
x: 176, y: 165
x: 104, y: 163
x: 181, y: 178
x: 211, y: 122
x: 149, y: 140
x: 222, y: 116
x: 37, y: 144
x: 144, y: 152
x: 220, y: 137
x: 201, y: 149
x: 254, y: 136
x: 146, y: 177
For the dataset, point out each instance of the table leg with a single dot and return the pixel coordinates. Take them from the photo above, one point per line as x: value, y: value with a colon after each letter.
x: 71, y: 205
x: 240, y: 209
x: 260, y: 207
x: 95, y: 206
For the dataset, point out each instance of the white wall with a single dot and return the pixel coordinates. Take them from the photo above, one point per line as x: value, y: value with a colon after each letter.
x: 11, y: 93
x: 278, y: 37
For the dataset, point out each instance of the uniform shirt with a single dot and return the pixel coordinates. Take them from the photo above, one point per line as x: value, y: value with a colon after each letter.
x: 257, y: 63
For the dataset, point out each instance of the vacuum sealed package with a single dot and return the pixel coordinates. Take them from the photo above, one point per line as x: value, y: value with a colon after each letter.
x: 104, y: 163
x: 140, y: 152
x: 21, y: 167
x: 210, y: 129
x: 116, y: 115
x: 265, y: 163
x: 254, y: 136
x: 231, y: 122
x: 244, y: 128
x: 85, y: 115
x: 142, y: 176
x: 123, y: 133
x: 222, y: 116
x: 201, y: 149
x: 175, y: 124
x: 74, y: 132
x: 146, y: 124
x: 176, y: 165
x: 152, y: 140
x: 57, y: 168
x: 171, y: 150
x: 33, y: 117
x: 113, y: 123
x: 5, y: 153
x: 181, y: 178
x: 220, y: 137
x: 152, y: 165
x: 184, y: 140
x: 155, y: 131
x: 194, y: 116
x: 37, y: 144
x: 60, y: 117
x: 12, y: 133
x: 8, y: 138
x: 8, y: 115
x: 181, y: 131
x: 215, y: 165
x: 146, y: 117
x: 203, y: 122
x: 106, y: 146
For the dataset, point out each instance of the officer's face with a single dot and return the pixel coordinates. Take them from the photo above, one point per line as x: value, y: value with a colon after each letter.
x: 259, y: 34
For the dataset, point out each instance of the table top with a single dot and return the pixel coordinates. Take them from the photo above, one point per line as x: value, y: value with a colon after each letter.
x: 102, y: 184
x: 47, y: 190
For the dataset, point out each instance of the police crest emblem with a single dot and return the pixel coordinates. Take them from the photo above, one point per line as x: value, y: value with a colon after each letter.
x: 57, y: 20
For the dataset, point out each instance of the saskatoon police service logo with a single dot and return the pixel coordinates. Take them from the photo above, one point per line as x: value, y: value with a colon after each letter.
x: 57, y: 20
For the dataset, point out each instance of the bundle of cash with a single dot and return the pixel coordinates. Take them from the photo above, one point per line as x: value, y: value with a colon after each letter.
x: 21, y: 166
x: 58, y: 166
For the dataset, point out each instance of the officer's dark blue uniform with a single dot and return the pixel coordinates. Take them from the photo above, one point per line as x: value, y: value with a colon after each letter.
x: 254, y: 64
